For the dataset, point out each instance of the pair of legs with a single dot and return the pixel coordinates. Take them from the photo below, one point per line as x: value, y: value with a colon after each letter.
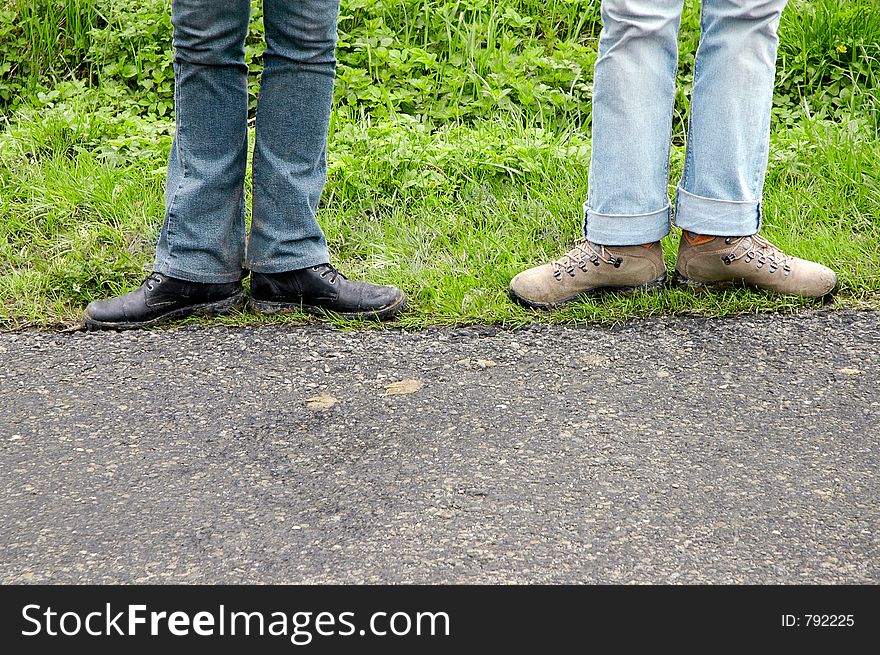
x: 729, y: 131
x: 203, y: 236
x: 203, y: 251
x: 719, y: 194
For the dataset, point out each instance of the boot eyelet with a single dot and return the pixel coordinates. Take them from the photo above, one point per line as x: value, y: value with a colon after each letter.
x: 617, y: 262
x: 728, y: 241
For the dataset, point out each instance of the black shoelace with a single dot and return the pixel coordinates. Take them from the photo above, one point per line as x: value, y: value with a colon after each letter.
x: 152, y: 277
x: 327, y: 269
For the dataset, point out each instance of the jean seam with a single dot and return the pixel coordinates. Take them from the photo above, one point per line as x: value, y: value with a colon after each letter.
x: 761, y: 168
x: 719, y: 200
x: 698, y: 65
x: 178, y: 146
x: 649, y: 229
x: 310, y: 261
x: 665, y: 208
x: 183, y: 274
x: 674, y: 85
x: 761, y: 164
x: 742, y: 213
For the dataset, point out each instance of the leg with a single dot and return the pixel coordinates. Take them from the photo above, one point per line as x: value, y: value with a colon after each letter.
x: 293, y: 115
x: 199, y: 256
x: 633, y: 97
x: 202, y: 239
x: 287, y: 251
x: 627, y: 212
x: 726, y: 160
x: 729, y: 133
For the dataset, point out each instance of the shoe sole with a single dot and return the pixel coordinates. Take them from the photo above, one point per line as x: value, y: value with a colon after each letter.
x: 269, y: 307
x: 205, y: 309
x: 682, y: 281
x: 659, y: 283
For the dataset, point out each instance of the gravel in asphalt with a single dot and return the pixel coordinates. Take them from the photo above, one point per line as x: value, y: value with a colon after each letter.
x: 666, y: 451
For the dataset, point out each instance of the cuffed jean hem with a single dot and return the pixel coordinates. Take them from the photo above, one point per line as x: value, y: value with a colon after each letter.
x: 290, y: 264
x: 625, y: 229
x: 722, y: 218
x: 206, y: 278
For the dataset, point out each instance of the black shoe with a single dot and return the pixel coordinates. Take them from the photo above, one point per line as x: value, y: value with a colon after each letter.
x: 319, y: 289
x: 161, y: 298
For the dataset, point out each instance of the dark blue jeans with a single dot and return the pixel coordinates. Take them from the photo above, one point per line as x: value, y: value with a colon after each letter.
x: 203, y: 236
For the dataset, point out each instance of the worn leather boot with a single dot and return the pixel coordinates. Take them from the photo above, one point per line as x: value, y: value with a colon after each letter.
x: 161, y: 298
x: 320, y: 289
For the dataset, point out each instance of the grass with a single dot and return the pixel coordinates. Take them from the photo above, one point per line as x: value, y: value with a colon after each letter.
x: 447, y: 205
x: 450, y: 216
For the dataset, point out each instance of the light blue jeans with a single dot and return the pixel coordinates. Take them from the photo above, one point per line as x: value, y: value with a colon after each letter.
x: 729, y: 132
x: 203, y: 235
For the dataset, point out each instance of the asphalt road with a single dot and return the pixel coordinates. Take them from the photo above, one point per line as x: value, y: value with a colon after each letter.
x: 676, y: 450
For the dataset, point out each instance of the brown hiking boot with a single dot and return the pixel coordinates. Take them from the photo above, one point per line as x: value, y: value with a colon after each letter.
x: 588, y: 268
x: 718, y: 262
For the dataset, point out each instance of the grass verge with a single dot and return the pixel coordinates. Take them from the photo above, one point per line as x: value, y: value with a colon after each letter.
x: 449, y: 214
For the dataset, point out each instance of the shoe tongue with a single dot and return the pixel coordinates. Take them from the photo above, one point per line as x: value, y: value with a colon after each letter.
x: 698, y: 239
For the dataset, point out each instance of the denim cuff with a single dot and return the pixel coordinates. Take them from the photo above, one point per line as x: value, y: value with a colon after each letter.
x: 625, y: 229
x: 724, y: 218
x: 285, y: 264
x: 208, y: 278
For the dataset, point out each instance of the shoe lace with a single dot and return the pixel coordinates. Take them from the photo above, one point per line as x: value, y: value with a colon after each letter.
x: 328, y: 269
x: 152, y: 278
x: 583, y: 253
x: 758, y: 249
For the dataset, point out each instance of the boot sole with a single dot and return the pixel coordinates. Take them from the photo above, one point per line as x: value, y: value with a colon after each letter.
x: 269, y: 307
x: 682, y: 281
x: 204, y: 309
x: 654, y: 285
